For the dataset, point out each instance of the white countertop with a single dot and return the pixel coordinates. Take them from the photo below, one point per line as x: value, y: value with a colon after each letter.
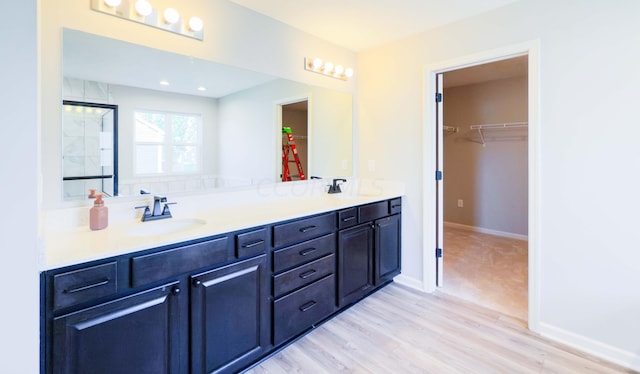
x: 68, y: 246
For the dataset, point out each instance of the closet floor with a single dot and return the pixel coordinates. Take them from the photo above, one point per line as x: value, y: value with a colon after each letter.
x: 487, y: 270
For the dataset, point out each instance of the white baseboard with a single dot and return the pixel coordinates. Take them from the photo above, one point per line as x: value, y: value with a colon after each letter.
x: 593, y: 347
x: 409, y: 282
x: 486, y: 231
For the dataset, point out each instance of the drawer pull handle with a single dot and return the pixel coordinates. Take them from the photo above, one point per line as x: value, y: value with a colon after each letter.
x: 347, y: 219
x: 307, y: 274
x: 88, y: 286
x: 307, y: 306
x: 307, y: 229
x: 253, y: 244
x: 305, y: 252
x: 396, y: 206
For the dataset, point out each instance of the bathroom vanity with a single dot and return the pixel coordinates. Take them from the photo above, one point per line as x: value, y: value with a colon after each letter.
x: 219, y: 302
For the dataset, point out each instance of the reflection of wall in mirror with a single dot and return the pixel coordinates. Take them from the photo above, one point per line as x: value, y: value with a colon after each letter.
x: 128, y: 100
x: 329, y: 138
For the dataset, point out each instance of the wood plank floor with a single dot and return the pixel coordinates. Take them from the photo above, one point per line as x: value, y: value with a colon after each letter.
x: 399, y: 330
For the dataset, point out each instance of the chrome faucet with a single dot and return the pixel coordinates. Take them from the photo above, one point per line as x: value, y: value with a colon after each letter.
x: 335, y: 187
x: 158, y: 211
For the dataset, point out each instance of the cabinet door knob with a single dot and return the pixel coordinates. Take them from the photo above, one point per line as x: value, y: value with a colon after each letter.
x: 197, y: 282
x: 175, y: 290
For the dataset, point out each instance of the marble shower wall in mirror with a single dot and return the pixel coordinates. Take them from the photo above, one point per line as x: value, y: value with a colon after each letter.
x: 239, y: 139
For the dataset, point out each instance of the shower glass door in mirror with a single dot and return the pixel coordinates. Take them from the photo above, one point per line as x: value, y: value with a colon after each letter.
x: 90, y: 149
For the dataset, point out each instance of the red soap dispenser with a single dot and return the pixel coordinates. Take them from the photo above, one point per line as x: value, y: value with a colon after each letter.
x: 99, y: 214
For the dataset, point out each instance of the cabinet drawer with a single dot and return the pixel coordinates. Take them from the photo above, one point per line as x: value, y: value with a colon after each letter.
x: 300, y: 253
x: 371, y: 212
x: 157, y: 266
x: 395, y: 206
x: 292, y: 232
x: 347, y: 218
x: 303, y: 275
x: 83, y: 285
x: 301, y: 309
x: 251, y: 243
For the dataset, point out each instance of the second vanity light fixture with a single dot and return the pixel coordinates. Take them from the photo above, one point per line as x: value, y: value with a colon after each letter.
x: 142, y: 11
x: 327, y: 68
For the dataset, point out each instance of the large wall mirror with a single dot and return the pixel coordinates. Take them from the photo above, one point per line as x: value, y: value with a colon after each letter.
x: 186, y: 124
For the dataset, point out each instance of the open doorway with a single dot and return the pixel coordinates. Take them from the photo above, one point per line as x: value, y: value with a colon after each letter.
x: 295, y: 137
x: 484, y: 196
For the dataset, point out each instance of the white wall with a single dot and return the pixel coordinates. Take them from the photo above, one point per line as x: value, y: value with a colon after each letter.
x: 588, y: 161
x: 19, y: 170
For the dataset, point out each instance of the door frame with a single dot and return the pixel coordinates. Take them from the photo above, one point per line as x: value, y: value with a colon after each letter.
x: 430, y: 200
x: 278, y: 104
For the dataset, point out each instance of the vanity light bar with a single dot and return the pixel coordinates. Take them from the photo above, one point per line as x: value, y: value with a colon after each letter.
x: 327, y: 68
x: 141, y: 11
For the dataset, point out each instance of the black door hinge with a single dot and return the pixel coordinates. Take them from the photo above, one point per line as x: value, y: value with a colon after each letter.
x: 438, y: 97
x: 438, y: 175
x: 438, y: 252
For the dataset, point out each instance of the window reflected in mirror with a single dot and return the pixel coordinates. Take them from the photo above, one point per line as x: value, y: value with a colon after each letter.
x: 167, y: 143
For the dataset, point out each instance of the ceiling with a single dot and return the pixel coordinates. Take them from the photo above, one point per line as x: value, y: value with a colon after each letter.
x: 362, y: 24
x: 96, y: 58
x: 503, y: 69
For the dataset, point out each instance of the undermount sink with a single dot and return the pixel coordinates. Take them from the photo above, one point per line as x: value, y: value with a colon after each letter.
x: 165, y: 226
x: 349, y: 196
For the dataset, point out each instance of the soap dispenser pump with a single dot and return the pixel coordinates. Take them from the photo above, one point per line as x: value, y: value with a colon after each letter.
x: 99, y: 214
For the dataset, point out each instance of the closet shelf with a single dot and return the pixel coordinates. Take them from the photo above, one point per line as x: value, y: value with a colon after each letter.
x: 508, y: 125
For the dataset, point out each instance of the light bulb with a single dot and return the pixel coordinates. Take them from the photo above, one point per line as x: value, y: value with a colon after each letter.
x: 328, y: 67
x: 348, y: 72
x: 143, y: 8
x: 171, y: 16
x: 112, y: 3
x: 339, y: 69
x: 202, y: 88
x: 317, y: 63
x: 164, y: 82
x: 195, y: 24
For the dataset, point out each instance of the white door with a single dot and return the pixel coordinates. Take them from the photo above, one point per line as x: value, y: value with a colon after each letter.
x: 439, y: 180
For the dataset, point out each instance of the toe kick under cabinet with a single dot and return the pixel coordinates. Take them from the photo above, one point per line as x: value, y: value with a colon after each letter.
x: 218, y: 304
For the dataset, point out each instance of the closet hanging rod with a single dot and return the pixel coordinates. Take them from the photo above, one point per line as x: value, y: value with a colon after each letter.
x: 499, y: 125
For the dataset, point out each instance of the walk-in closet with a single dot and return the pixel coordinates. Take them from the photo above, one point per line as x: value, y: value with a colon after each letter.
x: 485, y: 199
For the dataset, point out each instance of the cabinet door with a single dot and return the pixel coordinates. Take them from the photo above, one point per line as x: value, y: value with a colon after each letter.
x: 230, y: 316
x: 135, y: 334
x: 387, y: 248
x: 355, y: 263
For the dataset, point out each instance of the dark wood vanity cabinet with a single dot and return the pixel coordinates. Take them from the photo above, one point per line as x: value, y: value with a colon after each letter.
x: 230, y: 316
x: 355, y: 263
x: 139, y: 333
x: 218, y: 304
x: 199, y: 307
x: 369, y: 253
x: 304, y: 281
